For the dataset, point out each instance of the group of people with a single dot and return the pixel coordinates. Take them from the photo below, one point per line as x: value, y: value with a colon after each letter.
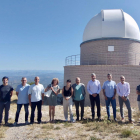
x: 33, y: 95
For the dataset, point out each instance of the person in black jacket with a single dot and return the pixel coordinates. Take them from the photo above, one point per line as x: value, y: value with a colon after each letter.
x: 6, y: 92
x: 138, y: 99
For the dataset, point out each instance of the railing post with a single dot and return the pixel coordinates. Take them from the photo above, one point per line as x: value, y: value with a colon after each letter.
x: 127, y: 58
x: 75, y: 59
x: 66, y: 61
x: 135, y: 58
x: 97, y: 59
x: 106, y: 59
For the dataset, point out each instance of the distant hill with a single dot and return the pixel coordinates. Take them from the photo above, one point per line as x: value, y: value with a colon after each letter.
x: 46, y: 76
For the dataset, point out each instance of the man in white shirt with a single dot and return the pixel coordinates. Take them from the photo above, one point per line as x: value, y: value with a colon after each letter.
x: 94, y: 88
x: 22, y: 94
x: 36, y: 98
x: 123, y: 90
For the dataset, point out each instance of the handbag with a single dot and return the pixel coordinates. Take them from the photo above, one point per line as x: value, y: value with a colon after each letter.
x: 48, y: 93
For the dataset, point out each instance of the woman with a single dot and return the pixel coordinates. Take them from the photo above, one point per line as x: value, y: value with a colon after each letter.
x: 52, y: 100
x: 67, y: 93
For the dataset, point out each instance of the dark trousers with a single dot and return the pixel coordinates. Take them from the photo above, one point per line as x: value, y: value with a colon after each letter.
x: 19, y: 106
x: 33, y: 106
x: 94, y: 100
x: 6, y: 106
x: 81, y: 103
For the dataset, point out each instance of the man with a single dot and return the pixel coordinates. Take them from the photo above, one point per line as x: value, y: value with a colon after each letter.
x: 109, y: 91
x: 79, y: 97
x: 6, y: 92
x: 123, y: 90
x: 138, y: 98
x: 94, y: 88
x: 22, y: 94
x: 36, y: 98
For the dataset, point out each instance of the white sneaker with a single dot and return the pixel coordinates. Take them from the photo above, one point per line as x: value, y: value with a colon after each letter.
x: 15, y: 123
x: 26, y: 122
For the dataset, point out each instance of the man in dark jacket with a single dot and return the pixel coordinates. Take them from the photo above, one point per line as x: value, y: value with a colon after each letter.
x: 6, y: 92
x: 79, y: 97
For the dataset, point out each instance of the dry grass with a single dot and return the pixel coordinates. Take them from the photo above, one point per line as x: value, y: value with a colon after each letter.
x: 47, y: 127
x: 94, y: 138
x: 126, y: 133
x: 81, y: 130
x: 3, y: 128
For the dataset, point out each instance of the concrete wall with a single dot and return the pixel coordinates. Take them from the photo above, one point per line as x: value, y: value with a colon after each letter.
x: 131, y: 73
x: 95, y: 52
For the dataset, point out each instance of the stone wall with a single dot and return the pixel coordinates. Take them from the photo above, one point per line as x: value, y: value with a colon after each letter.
x: 131, y: 73
x: 126, y: 52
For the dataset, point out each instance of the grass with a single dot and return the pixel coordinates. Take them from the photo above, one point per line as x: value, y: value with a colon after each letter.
x: 135, y: 132
x: 126, y: 133
x: 94, y: 138
x: 2, y: 130
x: 57, y: 128
x: 67, y: 124
x: 47, y: 127
x: 86, y: 129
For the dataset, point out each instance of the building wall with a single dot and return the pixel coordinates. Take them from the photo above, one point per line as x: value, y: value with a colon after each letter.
x: 95, y: 52
x: 131, y: 73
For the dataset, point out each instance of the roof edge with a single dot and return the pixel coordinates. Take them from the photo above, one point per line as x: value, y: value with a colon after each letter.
x: 109, y: 38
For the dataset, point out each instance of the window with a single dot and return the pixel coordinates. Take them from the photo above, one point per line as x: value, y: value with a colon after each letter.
x: 110, y: 48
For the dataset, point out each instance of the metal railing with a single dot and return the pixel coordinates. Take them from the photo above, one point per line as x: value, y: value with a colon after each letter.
x: 104, y: 59
x: 72, y: 60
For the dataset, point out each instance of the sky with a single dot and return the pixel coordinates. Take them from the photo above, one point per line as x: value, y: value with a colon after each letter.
x: 40, y: 34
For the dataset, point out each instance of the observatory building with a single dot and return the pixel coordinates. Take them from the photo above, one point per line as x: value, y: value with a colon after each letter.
x: 111, y: 44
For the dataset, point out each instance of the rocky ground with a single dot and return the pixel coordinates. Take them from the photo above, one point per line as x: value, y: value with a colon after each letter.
x: 82, y: 130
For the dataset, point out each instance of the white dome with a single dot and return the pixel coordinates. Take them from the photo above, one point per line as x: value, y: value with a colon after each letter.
x: 111, y: 23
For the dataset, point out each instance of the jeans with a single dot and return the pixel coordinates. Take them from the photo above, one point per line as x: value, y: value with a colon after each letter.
x: 113, y: 103
x: 94, y: 100
x: 127, y: 103
x: 68, y: 104
x: 6, y: 106
x: 19, y: 106
x: 33, y: 106
x: 81, y: 103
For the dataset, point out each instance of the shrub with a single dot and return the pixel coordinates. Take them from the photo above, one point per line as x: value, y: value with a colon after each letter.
x: 126, y: 133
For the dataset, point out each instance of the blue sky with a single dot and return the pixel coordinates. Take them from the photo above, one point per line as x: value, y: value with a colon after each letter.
x: 39, y: 34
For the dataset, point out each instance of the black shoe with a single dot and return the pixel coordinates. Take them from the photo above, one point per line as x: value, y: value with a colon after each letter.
x: 39, y: 122
x: 109, y: 119
x: 6, y: 124
x: 77, y: 119
x: 93, y: 118
x: 31, y: 122
x: 99, y: 118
